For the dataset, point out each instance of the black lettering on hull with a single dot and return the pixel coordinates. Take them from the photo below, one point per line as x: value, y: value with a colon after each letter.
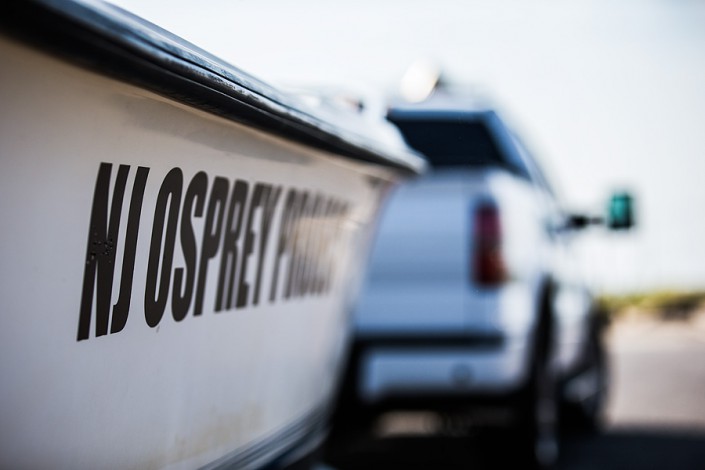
x: 161, y: 258
x: 100, y: 257
x: 194, y: 202
x: 239, y: 232
x: 229, y: 257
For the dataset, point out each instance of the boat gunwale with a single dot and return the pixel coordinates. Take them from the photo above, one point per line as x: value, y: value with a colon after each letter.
x: 113, y: 42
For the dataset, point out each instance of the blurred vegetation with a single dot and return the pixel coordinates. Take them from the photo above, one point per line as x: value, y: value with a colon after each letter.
x: 668, y: 304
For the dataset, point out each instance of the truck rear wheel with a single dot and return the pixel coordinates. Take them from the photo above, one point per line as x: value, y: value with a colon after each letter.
x: 583, y: 410
x: 537, y: 407
x: 537, y: 423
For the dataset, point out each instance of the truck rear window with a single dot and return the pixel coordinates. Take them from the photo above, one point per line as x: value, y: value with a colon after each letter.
x: 451, y: 142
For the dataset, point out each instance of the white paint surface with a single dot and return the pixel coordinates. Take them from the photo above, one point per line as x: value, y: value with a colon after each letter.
x: 182, y: 394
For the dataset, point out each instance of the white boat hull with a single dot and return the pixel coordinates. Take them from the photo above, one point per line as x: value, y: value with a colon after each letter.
x: 198, y: 321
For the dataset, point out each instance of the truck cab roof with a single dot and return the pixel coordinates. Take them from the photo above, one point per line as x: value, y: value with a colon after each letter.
x: 458, y: 131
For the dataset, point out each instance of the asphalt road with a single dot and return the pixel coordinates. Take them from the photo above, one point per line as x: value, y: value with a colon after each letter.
x: 655, y: 419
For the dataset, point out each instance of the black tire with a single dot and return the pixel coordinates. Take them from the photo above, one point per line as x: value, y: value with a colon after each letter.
x: 537, y: 429
x: 537, y: 410
x: 586, y: 415
x: 348, y: 428
x: 349, y: 421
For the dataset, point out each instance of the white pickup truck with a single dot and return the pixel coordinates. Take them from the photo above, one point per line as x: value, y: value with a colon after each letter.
x: 473, y: 299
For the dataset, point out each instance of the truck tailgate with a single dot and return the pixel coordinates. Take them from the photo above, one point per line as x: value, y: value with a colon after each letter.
x: 419, y: 269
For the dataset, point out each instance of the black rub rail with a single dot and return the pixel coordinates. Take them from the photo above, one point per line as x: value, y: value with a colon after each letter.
x: 111, y: 41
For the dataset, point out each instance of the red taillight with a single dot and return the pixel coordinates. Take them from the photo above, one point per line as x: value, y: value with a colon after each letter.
x: 487, y: 264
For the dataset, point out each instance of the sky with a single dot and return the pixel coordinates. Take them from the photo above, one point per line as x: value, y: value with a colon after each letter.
x: 609, y: 95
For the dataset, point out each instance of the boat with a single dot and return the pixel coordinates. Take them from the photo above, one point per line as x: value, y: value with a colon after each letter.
x: 182, y: 245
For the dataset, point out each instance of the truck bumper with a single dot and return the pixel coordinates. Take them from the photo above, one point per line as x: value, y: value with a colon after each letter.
x: 387, y: 372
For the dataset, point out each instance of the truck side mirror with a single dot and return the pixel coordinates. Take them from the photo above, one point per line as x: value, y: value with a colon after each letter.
x: 620, y: 212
